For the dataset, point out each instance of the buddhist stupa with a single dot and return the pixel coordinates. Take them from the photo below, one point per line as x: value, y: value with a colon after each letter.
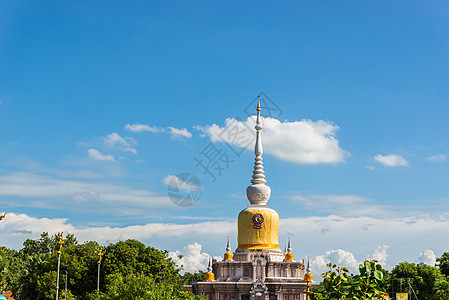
x: 257, y: 269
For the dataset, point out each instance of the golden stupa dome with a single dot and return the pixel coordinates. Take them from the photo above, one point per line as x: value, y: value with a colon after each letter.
x: 258, y: 228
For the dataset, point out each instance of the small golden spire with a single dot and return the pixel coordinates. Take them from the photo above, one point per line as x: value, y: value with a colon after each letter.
x: 209, y: 275
x: 228, y: 255
x: 258, y: 103
x: 289, y: 255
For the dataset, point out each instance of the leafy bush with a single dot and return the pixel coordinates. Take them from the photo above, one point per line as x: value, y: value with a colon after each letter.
x: 339, y: 284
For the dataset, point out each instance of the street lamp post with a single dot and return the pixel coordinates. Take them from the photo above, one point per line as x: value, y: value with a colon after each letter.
x: 100, y: 254
x: 65, y: 291
x: 61, y: 241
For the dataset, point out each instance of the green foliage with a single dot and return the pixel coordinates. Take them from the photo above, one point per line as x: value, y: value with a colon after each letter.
x: 443, y: 263
x: 339, y: 284
x: 6, y: 267
x: 189, y: 278
x: 140, y: 287
x: 442, y: 288
x: 31, y: 272
x: 132, y: 256
x: 424, y: 279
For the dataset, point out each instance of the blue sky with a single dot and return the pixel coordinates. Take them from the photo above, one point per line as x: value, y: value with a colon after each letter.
x: 357, y: 157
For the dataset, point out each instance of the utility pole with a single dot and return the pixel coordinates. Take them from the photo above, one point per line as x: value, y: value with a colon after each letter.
x: 101, y: 252
x: 61, y: 241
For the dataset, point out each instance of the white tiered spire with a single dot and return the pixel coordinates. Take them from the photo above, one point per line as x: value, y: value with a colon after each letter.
x: 258, y: 192
x: 228, y: 246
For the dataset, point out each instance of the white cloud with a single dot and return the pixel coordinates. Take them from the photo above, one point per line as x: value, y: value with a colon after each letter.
x: 45, y: 191
x: 115, y: 141
x: 143, y: 128
x: 179, y: 132
x: 345, y: 205
x: 339, y: 257
x: 380, y: 254
x: 15, y: 228
x: 350, y: 243
x: 428, y: 257
x: 360, y: 235
x: 97, y: 155
x: 175, y: 182
x: 192, y: 259
x: 174, y: 132
x: 302, y: 142
x: 437, y: 158
x: 391, y: 160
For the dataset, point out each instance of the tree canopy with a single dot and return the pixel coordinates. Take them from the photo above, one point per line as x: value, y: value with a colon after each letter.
x: 31, y: 272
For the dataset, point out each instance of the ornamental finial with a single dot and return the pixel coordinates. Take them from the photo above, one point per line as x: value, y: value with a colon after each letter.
x: 258, y: 192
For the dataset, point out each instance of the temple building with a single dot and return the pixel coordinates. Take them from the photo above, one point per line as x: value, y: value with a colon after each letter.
x: 258, y: 269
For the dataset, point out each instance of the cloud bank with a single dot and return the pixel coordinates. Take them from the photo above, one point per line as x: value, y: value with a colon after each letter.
x: 347, y: 242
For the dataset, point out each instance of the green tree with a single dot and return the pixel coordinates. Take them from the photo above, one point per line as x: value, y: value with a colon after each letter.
x: 132, y: 256
x: 9, y: 264
x: 189, y: 278
x: 31, y: 272
x: 38, y: 261
x: 80, y: 262
x: 424, y: 279
x: 443, y: 263
x: 442, y: 287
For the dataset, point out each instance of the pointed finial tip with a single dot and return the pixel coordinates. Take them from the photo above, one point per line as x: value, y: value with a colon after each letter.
x: 258, y: 105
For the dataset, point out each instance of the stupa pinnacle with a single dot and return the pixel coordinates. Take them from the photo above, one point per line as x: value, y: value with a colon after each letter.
x: 258, y: 192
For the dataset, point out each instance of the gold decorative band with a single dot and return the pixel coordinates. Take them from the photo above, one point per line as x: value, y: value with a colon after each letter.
x: 258, y: 246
